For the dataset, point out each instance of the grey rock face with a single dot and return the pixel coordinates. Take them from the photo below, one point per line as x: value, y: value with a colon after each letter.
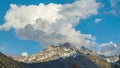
x: 61, y: 56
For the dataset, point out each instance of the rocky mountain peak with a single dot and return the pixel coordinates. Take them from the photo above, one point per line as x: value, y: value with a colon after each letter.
x: 53, y: 52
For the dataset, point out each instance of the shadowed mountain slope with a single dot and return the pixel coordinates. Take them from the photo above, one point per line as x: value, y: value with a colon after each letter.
x: 6, y: 62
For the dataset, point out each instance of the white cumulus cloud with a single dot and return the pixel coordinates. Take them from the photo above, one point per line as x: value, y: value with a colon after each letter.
x: 51, y: 23
x: 109, y: 49
x: 24, y: 54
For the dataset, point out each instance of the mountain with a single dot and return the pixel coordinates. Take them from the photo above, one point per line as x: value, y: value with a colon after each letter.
x: 6, y: 62
x: 60, y: 56
x: 64, y: 56
x: 110, y: 59
x: 95, y: 57
x: 53, y: 53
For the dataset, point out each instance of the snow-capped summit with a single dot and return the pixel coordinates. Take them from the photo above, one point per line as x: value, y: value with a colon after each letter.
x: 65, y: 50
x: 53, y: 52
x: 63, y: 56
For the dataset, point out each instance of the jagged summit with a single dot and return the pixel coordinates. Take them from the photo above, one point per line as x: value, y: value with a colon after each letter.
x: 63, y: 56
x: 85, y: 50
x: 52, y: 52
x: 59, y: 56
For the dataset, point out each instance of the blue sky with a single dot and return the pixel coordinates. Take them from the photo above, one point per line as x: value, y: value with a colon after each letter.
x: 104, y: 26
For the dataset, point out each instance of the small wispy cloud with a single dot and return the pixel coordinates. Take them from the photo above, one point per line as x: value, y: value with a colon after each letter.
x: 114, y: 4
x: 98, y: 20
x: 113, y: 12
x: 113, y: 9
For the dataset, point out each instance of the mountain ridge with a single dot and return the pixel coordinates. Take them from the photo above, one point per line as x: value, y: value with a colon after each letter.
x: 64, y: 55
x: 63, y: 52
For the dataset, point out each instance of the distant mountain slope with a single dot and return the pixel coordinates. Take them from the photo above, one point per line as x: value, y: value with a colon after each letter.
x: 79, y: 61
x: 59, y: 56
x: 6, y: 62
x: 52, y: 53
x: 100, y: 61
x: 64, y: 56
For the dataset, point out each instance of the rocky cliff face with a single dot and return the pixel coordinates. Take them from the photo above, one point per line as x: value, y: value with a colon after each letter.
x: 53, y: 53
x: 59, y: 56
